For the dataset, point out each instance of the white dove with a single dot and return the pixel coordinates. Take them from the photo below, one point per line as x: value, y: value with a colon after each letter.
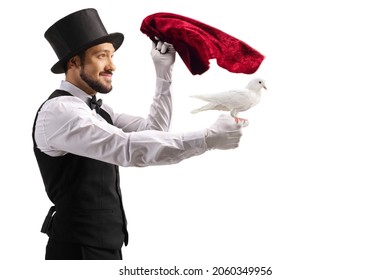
x: 235, y: 101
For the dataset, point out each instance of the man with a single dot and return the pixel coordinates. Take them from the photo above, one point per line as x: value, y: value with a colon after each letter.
x: 79, y: 142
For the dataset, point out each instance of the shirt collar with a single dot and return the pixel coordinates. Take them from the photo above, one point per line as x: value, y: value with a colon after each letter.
x: 75, y: 91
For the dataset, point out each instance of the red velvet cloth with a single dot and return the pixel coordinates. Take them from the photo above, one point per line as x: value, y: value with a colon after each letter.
x: 197, y: 43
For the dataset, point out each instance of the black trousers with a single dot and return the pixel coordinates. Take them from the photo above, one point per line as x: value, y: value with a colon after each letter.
x: 56, y: 250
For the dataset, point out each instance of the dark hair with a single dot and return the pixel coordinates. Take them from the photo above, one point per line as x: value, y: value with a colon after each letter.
x: 82, y: 57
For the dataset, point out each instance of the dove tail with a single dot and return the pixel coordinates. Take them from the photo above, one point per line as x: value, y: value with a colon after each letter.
x: 196, y: 111
x: 203, y: 97
x: 206, y: 107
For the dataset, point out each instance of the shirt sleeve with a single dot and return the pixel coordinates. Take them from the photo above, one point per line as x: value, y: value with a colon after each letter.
x: 66, y: 125
x: 159, y: 117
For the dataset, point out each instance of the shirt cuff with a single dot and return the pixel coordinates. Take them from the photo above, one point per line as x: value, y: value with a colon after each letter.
x: 195, y: 139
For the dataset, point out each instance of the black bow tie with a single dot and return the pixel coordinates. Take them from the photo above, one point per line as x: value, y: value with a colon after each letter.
x: 95, y: 104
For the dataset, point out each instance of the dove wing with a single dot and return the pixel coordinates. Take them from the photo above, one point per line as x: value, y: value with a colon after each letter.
x: 230, y: 99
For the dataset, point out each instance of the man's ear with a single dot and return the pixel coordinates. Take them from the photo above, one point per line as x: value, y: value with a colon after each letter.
x: 74, y: 62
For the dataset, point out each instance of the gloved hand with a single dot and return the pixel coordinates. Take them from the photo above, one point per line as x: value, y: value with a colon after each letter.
x: 163, y: 55
x: 225, y: 133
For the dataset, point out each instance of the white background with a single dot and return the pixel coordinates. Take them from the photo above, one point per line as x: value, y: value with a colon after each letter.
x: 306, y: 191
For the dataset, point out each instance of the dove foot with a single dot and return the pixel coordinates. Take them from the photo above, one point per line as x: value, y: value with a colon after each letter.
x: 240, y: 120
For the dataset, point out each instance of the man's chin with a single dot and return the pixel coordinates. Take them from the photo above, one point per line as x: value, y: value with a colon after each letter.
x: 96, y: 85
x: 105, y: 87
x: 104, y: 92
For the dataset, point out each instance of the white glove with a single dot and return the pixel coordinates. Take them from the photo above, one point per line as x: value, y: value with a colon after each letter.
x: 163, y: 55
x: 224, y: 134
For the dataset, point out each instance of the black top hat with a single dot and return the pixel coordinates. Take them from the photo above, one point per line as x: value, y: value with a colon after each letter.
x: 76, y: 33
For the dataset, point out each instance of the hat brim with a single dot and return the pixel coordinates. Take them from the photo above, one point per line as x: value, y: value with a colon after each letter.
x: 115, y: 38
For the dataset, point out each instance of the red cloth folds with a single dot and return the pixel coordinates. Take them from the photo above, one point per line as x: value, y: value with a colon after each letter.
x: 197, y: 43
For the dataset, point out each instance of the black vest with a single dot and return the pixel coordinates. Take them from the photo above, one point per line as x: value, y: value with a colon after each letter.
x: 86, y: 195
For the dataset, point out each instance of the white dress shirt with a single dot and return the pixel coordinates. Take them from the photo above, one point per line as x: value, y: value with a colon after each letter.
x: 67, y: 125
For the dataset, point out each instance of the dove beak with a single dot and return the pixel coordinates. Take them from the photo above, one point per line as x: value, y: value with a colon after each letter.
x: 265, y: 87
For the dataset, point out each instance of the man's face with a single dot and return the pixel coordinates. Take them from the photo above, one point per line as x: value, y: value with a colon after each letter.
x: 97, y: 67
